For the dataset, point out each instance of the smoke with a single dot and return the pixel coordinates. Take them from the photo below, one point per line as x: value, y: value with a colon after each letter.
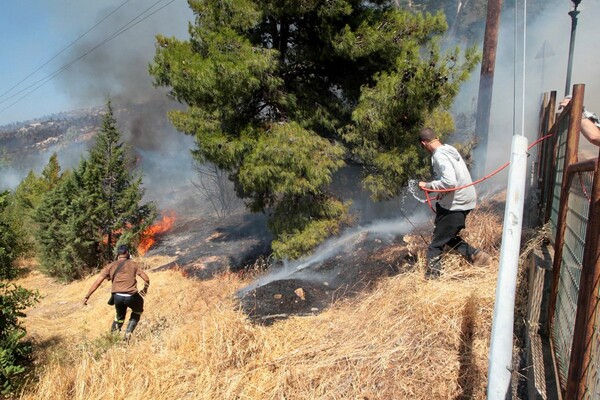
x: 68, y: 157
x: 118, y: 70
x: 119, y: 67
x: 546, y: 56
x: 386, y: 231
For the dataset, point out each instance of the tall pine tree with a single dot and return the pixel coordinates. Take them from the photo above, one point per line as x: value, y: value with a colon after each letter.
x: 112, y: 192
x: 97, y: 206
x: 281, y: 93
x: 8, y: 242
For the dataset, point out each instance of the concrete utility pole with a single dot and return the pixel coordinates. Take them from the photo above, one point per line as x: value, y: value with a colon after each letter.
x: 486, y: 80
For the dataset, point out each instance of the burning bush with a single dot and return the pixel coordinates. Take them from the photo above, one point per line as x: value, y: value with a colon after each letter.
x: 152, y: 233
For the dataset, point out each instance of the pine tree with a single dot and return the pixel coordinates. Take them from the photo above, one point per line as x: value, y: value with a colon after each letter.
x: 8, y: 242
x: 280, y: 94
x: 97, y: 206
x: 26, y: 198
x: 15, y: 351
x: 111, y: 191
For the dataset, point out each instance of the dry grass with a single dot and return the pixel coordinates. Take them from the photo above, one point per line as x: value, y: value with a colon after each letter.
x: 408, y: 339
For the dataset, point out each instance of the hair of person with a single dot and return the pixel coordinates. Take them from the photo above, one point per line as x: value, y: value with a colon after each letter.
x: 123, y: 249
x: 427, y: 135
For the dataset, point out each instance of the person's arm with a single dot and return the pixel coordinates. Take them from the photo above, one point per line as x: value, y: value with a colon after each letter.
x: 95, y: 286
x: 590, y: 131
x: 590, y: 125
x: 146, y: 279
x: 446, y: 173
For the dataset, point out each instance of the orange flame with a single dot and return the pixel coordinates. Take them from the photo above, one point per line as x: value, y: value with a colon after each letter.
x: 152, y: 232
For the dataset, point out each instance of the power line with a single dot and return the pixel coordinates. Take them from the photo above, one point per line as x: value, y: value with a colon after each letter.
x: 41, y: 82
x: 57, y: 72
x: 64, y: 49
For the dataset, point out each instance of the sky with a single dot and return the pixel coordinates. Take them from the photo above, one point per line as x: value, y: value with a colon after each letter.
x: 43, y: 36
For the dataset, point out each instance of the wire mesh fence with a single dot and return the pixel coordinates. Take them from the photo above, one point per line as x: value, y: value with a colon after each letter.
x: 570, y: 269
x: 561, y: 149
x: 570, y: 204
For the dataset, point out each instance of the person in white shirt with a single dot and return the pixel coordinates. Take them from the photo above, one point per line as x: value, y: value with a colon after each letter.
x: 452, y: 207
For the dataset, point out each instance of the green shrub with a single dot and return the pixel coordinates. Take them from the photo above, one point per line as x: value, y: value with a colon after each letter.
x: 15, y: 353
x: 8, y: 242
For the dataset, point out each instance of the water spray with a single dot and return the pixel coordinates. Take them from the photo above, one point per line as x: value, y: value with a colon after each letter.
x: 412, y: 188
x: 331, y: 248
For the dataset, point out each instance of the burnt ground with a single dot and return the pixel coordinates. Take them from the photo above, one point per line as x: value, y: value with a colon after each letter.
x: 205, y: 247
x: 314, y: 288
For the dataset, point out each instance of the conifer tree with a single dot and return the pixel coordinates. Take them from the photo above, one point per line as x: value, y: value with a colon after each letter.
x: 26, y: 198
x: 281, y: 94
x: 113, y: 194
x: 8, y: 242
x: 52, y: 234
x: 98, y: 205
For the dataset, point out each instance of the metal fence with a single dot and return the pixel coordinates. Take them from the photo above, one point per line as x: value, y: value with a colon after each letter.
x: 570, y: 269
x: 570, y: 204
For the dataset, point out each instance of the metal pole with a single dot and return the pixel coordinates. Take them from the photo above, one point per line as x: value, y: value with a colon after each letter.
x: 573, y: 15
x: 501, y: 346
x: 500, y: 357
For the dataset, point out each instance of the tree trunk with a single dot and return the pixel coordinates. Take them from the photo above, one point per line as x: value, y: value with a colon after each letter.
x: 486, y: 80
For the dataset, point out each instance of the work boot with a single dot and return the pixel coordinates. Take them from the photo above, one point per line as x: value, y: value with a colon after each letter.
x: 481, y: 259
x: 433, y: 270
x: 131, y: 326
x: 116, y: 326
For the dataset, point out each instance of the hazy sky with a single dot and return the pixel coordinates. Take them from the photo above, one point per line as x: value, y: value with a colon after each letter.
x: 35, y: 31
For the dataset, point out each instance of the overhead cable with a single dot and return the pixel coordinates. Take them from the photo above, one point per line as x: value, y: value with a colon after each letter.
x: 63, y: 50
x: 41, y: 82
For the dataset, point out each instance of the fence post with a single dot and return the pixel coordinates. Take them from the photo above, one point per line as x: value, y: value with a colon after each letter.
x: 548, y: 159
x: 587, y: 299
x: 573, y: 132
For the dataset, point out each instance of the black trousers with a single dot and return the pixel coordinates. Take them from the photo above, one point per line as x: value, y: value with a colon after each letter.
x: 448, y: 225
x: 136, y: 303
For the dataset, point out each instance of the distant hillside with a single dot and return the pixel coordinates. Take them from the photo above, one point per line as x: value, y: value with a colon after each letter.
x: 22, y: 142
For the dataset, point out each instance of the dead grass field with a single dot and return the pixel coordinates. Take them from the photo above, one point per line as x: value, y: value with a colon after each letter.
x: 409, y: 338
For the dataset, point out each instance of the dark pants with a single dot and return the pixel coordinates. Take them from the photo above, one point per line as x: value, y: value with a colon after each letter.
x: 448, y: 225
x: 136, y: 303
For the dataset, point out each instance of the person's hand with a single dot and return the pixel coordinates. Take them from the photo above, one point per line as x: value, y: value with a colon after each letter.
x: 563, y: 103
x: 143, y: 292
x: 85, y: 300
x: 422, y: 185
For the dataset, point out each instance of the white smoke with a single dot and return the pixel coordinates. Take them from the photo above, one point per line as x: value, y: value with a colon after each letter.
x: 385, y: 231
x: 547, y: 35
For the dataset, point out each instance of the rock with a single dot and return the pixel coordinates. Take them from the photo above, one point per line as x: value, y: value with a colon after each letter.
x: 300, y: 293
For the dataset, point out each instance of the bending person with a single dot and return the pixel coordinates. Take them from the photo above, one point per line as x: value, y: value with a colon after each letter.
x: 122, y: 273
x: 452, y: 207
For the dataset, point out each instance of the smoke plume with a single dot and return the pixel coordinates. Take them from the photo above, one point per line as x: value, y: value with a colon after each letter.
x: 118, y: 70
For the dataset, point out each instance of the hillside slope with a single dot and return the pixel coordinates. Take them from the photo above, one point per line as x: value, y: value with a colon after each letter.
x: 407, y: 338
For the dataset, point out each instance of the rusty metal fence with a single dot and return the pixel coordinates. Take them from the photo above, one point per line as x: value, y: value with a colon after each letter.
x: 570, y: 204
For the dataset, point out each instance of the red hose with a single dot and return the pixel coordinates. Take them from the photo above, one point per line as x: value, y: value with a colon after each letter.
x: 427, y: 191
